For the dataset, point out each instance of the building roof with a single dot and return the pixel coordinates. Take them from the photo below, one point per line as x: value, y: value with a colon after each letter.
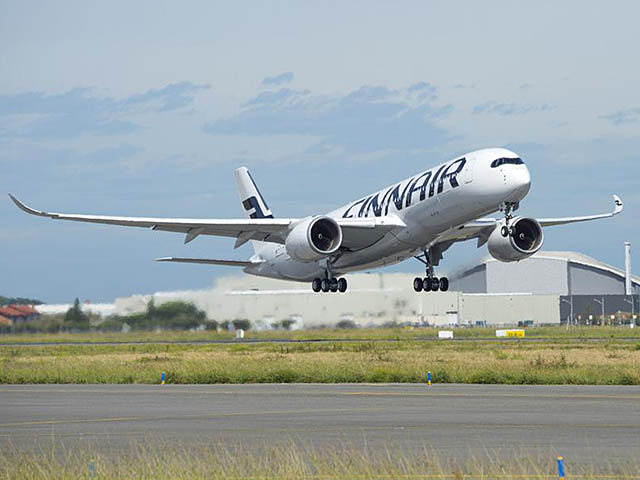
x: 5, y: 321
x: 25, y: 309
x: 12, y: 311
x: 572, y: 257
x: 9, y: 311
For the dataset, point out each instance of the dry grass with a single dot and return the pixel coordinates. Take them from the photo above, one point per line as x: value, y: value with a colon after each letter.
x: 509, y: 362
x: 289, y: 461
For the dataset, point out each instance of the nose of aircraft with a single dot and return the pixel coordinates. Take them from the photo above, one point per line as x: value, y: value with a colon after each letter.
x: 520, y: 180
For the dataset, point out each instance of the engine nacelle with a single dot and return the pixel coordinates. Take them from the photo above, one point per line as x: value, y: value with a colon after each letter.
x: 313, y: 238
x: 526, y: 240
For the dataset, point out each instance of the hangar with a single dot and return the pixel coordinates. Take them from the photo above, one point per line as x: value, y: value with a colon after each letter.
x: 545, y: 273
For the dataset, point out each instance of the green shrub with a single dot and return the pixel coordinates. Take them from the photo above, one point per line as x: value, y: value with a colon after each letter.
x: 346, y: 324
x: 168, y: 316
x: 241, y: 324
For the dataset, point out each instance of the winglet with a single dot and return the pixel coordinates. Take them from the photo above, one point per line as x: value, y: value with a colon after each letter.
x: 28, y: 209
x: 618, y: 203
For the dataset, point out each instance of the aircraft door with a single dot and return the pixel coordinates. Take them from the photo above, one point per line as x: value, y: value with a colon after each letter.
x: 468, y: 170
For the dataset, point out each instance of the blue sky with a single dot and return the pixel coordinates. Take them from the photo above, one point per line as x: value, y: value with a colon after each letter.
x: 146, y: 109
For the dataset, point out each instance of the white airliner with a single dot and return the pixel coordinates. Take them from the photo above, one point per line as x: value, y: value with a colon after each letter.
x: 419, y: 217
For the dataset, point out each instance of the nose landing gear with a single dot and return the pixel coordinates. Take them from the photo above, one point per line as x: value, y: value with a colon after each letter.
x: 508, y: 208
x: 430, y: 283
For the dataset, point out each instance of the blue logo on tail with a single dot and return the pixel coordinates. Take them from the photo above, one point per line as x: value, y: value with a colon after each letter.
x: 252, y: 203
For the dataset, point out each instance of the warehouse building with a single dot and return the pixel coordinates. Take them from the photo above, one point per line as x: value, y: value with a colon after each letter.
x: 373, y: 300
x: 545, y: 273
x: 590, y: 291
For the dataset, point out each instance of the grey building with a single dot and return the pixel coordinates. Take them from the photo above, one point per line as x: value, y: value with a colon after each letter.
x: 545, y: 273
x: 373, y: 299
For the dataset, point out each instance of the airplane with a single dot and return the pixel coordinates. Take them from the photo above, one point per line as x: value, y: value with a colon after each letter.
x: 419, y: 217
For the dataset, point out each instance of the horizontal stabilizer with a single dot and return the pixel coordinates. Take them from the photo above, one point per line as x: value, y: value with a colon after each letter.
x: 208, y: 261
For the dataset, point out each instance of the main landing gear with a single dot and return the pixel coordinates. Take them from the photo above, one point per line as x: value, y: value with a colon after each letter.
x: 329, y: 285
x: 430, y: 283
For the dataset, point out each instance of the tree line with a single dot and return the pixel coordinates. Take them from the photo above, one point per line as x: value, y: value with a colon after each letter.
x: 19, y: 301
x: 168, y: 316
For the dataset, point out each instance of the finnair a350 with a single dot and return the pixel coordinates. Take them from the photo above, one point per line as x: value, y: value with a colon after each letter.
x: 419, y: 217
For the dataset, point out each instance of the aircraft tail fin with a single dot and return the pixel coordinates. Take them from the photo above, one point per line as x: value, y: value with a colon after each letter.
x: 252, y: 200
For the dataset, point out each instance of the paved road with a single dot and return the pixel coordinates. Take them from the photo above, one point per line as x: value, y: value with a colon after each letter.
x: 581, y: 422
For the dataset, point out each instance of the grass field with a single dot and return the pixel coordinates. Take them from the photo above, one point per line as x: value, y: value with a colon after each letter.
x: 561, y: 360
x: 150, y: 460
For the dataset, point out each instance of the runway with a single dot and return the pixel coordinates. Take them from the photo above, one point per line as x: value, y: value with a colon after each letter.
x: 580, y: 422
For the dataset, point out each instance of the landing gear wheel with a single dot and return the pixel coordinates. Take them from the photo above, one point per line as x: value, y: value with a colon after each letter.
x: 342, y: 285
x: 431, y: 283
x: 325, y: 285
x: 316, y: 285
x: 333, y: 285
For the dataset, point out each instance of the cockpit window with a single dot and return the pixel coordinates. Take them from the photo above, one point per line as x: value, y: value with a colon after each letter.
x: 504, y: 161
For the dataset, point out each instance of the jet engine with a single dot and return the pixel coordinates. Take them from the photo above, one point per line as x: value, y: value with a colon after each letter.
x: 313, y: 238
x: 524, y: 239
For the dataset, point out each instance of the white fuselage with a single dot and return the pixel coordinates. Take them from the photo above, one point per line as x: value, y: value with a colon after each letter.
x: 430, y: 203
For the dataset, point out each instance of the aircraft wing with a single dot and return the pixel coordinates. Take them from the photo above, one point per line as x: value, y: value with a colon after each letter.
x: 265, y: 229
x: 618, y: 206
x: 482, y: 228
x: 357, y: 232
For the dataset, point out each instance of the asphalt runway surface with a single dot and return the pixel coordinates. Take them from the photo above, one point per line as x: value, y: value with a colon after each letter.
x: 584, y: 423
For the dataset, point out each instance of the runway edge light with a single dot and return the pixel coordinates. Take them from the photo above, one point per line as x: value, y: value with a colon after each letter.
x: 429, y: 378
x: 92, y: 468
x: 164, y: 378
x: 561, y: 467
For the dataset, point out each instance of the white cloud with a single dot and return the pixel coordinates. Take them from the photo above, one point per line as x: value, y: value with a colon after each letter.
x: 278, y: 79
